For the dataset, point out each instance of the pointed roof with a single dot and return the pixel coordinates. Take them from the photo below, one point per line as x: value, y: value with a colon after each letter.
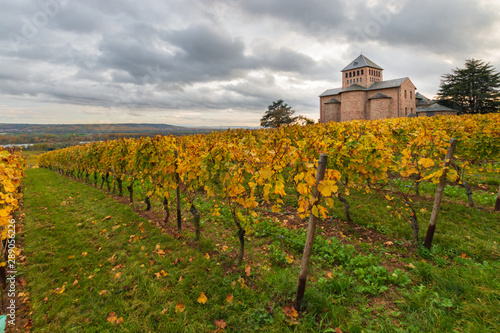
x: 379, y: 95
x: 359, y: 62
x: 434, y: 107
x: 332, y: 101
x: 422, y: 100
x: 388, y: 84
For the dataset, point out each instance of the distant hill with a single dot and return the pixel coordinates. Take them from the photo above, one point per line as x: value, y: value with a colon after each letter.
x: 88, y: 129
x: 55, y: 136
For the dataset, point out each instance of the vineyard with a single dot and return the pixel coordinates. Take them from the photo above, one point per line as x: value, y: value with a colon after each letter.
x: 379, y: 181
x: 250, y: 169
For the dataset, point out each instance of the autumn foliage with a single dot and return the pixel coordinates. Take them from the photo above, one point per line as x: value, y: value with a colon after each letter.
x: 11, y: 173
x: 249, y: 169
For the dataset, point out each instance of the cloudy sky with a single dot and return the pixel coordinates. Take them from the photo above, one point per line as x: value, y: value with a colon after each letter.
x: 220, y: 62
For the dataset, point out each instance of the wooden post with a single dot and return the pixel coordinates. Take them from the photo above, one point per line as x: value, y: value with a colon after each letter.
x: 178, y: 194
x: 439, y: 194
x: 497, y: 203
x: 320, y: 174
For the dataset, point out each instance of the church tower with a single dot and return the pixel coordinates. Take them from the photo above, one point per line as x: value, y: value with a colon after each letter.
x: 361, y: 71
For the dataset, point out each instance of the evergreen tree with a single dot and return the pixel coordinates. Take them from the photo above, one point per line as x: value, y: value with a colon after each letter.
x: 473, y: 89
x: 277, y: 114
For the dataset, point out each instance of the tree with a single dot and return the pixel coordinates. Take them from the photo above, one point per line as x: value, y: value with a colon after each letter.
x: 473, y: 89
x: 303, y: 121
x: 277, y: 114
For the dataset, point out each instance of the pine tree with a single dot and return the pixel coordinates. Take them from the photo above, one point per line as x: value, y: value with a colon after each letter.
x: 473, y: 89
x: 277, y: 114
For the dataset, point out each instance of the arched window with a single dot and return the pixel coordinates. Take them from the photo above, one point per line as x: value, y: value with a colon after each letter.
x: 350, y: 74
x: 346, y: 74
x: 361, y: 72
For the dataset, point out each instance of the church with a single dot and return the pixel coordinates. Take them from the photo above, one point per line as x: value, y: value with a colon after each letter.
x: 365, y: 95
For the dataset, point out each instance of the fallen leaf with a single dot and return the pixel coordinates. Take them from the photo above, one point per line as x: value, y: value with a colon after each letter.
x: 219, y: 323
x: 329, y: 275
x: 289, y: 259
x: 60, y: 290
x: 113, y: 319
x: 229, y: 298
x: 163, y: 311
x: 117, y: 275
x: 290, y: 312
x: 247, y: 270
x: 242, y: 282
x: 388, y: 243
x: 91, y: 276
x: 180, y: 278
x: 338, y: 330
x: 161, y: 273
x: 75, y: 283
x: 202, y: 299
x: 207, y: 256
x: 224, y: 248
x: 84, y: 254
x: 102, y: 292
x: 179, y: 307
x: 71, y: 257
x: 107, y: 218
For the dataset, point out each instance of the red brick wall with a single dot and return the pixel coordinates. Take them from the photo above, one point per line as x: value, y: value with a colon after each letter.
x: 391, y: 108
x: 408, y: 102
x: 353, y: 105
x: 327, y: 111
x: 380, y: 108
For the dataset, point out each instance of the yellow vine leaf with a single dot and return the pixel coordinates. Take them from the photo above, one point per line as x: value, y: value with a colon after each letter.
x: 202, y: 298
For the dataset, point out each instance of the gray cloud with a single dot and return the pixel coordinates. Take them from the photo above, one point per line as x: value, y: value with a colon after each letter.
x: 185, y: 56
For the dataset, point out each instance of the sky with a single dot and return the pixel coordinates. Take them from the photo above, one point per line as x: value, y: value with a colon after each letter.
x: 221, y: 62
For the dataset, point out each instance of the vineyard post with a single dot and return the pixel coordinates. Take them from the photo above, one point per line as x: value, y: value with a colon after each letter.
x: 178, y: 193
x: 439, y: 194
x: 497, y: 203
x: 320, y: 174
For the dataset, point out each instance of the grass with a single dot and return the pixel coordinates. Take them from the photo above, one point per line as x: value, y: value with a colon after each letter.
x: 31, y: 157
x: 109, y: 259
